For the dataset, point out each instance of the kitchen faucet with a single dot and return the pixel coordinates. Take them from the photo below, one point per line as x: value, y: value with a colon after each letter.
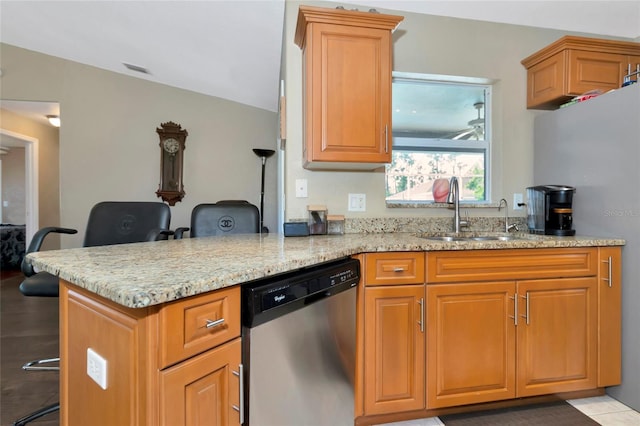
x: 507, y: 227
x: 454, y: 198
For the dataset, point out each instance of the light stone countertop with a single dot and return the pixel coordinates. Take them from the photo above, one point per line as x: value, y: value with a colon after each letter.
x: 144, y: 274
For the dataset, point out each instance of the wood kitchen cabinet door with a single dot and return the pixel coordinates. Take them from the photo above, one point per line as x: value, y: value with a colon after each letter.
x: 203, y: 390
x: 557, y: 335
x: 349, y: 104
x: 595, y: 70
x: 393, y: 349
x: 347, y: 97
x: 470, y: 343
x: 610, y: 316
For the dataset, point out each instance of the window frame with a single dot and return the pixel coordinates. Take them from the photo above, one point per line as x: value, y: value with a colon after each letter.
x: 404, y: 143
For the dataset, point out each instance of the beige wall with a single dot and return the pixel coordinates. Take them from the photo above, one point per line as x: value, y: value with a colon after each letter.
x: 109, y: 147
x: 431, y: 45
x: 48, y: 169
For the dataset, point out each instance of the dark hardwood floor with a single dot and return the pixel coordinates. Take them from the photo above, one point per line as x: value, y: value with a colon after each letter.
x: 28, y: 331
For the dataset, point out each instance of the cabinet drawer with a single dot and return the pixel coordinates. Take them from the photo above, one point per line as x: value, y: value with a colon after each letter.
x: 485, y: 265
x: 194, y: 325
x: 394, y: 268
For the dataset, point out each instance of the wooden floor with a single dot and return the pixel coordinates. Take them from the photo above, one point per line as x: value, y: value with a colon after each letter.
x: 28, y: 331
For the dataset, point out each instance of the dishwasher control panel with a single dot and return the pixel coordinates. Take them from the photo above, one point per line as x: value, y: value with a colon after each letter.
x: 263, y: 299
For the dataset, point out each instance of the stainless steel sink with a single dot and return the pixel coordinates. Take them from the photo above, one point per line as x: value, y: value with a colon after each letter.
x: 451, y: 238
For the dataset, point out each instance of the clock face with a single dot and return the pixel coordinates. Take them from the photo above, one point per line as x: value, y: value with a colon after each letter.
x: 171, y: 145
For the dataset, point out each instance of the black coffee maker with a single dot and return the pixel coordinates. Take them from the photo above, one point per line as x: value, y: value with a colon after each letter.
x: 549, y: 210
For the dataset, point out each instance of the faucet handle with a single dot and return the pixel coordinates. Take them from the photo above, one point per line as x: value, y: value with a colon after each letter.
x: 465, y: 222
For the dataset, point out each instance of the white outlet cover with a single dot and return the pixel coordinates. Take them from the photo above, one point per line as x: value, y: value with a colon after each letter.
x: 357, y: 202
x: 97, y: 368
x: 517, y: 199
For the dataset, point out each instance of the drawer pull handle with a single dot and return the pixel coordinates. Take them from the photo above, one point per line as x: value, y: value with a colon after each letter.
x: 211, y: 324
x: 398, y: 269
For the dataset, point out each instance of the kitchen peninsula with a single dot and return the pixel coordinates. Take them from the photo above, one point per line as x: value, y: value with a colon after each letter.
x: 145, y: 309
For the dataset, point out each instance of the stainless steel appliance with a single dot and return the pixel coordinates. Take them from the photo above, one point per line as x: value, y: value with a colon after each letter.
x: 595, y: 146
x: 299, y: 346
x: 549, y: 210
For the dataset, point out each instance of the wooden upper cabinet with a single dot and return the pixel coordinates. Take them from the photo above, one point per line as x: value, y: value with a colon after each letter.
x: 572, y: 66
x: 347, y: 87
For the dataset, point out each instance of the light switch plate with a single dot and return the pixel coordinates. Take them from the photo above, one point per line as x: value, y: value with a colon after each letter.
x: 301, y: 188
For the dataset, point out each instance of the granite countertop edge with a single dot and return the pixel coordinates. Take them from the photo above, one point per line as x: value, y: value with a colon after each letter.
x: 146, y: 274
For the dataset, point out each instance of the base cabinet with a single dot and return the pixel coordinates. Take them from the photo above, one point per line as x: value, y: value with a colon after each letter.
x: 556, y: 336
x: 202, y: 390
x: 609, y: 316
x: 165, y: 366
x: 499, y: 325
x: 390, y: 369
x: 394, y: 351
x: 471, y: 343
x: 503, y: 340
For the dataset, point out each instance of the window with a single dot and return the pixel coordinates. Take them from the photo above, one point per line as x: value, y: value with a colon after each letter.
x: 441, y: 128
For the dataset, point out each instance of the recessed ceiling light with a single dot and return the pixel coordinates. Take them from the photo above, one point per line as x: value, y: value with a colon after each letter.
x: 136, y: 68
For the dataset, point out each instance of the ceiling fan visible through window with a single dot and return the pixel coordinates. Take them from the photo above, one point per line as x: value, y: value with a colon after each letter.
x: 476, y: 126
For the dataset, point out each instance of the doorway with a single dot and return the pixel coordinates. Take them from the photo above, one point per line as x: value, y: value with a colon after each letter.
x: 30, y: 144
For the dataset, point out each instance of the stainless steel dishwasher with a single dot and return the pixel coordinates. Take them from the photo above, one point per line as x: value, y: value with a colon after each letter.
x: 299, y: 346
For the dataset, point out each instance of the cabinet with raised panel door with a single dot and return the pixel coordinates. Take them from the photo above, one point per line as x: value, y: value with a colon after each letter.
x: 510, y: 324
x: 347, y: 87
x: 609, y: 316
x: 572, y: 66
x: 171, y: 364
x: 390, y: 366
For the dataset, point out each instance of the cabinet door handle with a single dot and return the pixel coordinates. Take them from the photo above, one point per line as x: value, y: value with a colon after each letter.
x: 240, y: 409
x: 211, y: 324
x: 421, y: 322
x: 608, y: 278
x: 526, y: 313
x: 515, y: 309
x: 386, y: 138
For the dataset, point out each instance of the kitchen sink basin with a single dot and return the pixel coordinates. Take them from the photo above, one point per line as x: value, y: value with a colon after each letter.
x: 451, y: 238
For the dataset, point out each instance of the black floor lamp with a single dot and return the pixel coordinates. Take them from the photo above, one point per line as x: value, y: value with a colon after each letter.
x: 264, y: 154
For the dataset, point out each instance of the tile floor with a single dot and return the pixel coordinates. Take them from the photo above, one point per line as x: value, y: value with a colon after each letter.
x: 603, y: 409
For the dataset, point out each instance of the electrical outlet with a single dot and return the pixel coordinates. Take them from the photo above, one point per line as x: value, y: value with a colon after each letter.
x: 301, y: 188
x: 357, y: 203
x: 517, y: 201
x: 97, y: 368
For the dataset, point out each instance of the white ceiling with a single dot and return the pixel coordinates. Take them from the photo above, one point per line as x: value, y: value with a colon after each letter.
x: 232, y: 49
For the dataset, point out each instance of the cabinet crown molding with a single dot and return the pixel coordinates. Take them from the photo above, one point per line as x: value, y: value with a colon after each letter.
x: 582, y: 43
x: 310, y: 14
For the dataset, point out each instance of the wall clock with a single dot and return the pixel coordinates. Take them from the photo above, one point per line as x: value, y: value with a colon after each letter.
x: 172, y: 145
